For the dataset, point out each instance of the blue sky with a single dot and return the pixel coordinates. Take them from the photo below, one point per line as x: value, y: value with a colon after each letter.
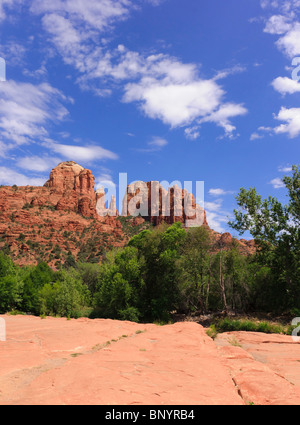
x: 191, y: 90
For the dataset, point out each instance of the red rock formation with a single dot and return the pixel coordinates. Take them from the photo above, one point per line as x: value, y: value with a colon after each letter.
x: 61, y: 214
x: 68, y: 215
x: 157, y: 205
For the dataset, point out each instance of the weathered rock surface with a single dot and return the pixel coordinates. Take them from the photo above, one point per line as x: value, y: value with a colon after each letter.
x: 108, y: 362
x: 59, y: 361
x: 265, y: 368
x: 48, y: 223
x: 157, y: 205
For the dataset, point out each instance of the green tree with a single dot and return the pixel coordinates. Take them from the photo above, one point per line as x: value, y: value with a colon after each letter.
x: 65, y: 297
x: 10, y: 284
x: 276, y: 230
x: 119, y: 285
x: 160, y: 249
x: 194, y: 270
x: 34, y: 281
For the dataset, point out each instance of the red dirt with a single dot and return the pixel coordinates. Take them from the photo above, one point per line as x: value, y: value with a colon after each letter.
x: 108, y: 362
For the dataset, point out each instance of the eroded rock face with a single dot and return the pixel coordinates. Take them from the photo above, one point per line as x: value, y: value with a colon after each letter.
x: 61, y: 215
x: 65, y: 177
x: 67, y: 213
x: 75, y: 186
x: 157, y: 205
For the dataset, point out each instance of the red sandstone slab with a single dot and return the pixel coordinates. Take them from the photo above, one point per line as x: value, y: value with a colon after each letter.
x: 265, y: 368
x: 59, y: 361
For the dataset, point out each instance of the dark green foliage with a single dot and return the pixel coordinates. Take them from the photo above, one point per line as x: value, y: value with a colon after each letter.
x: 119, y: 285
x: 34, y: 281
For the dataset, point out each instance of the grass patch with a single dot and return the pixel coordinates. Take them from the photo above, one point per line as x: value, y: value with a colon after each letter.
x: 230, y: 325
x: 212, y: 332
x: 139, y: 332
x: 234, y: 342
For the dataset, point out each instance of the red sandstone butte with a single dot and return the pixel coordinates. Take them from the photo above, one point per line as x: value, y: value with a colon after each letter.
x: 67, y: 213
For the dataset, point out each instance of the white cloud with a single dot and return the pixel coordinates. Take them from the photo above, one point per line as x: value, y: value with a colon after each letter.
x: 104, y: 179
x: 292, y: 119
x: 220, y: 192
x: 175, y: 104
x: 26, y: 110
x: 285, y: 169
x: 192, y: 133
x: 216, y: 216
x: 36, y: 163
x: 255, y: 136
x: 278, y: 24
x: 81, y: 153
x: 163, y: 86
x: 7, y: 4
x: 229, y: 71
x: 94, y: 13
x: 284, y: 6
x: 155, y: 145
x: 290, y: 42
x: 277, y: 183
x: 158, y: 142
x: 216, y: 221
x: 213, y: 206
x: 11, y: 177
x: 222, y: 115
x: 285, y: 85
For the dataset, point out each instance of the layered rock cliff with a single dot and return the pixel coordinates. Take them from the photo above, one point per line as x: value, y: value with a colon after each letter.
x: 66, y: 218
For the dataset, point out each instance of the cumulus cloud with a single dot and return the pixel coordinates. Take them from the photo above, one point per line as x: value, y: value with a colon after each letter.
x: 278, y: 24
x: 222, y: 116
x: 285, y: 85
x: 290, y: 42
x: 175, y: 104
x: 162, y: 86
x: 94, y: 13
x: 292, y: 122
x: 285, y: 24
x: 277, y: 183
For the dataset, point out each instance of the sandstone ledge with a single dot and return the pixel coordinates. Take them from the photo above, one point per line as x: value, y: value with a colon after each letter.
x: 108, y: 362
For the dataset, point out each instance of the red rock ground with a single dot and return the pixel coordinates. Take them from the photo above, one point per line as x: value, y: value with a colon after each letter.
x: 107, y: 362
